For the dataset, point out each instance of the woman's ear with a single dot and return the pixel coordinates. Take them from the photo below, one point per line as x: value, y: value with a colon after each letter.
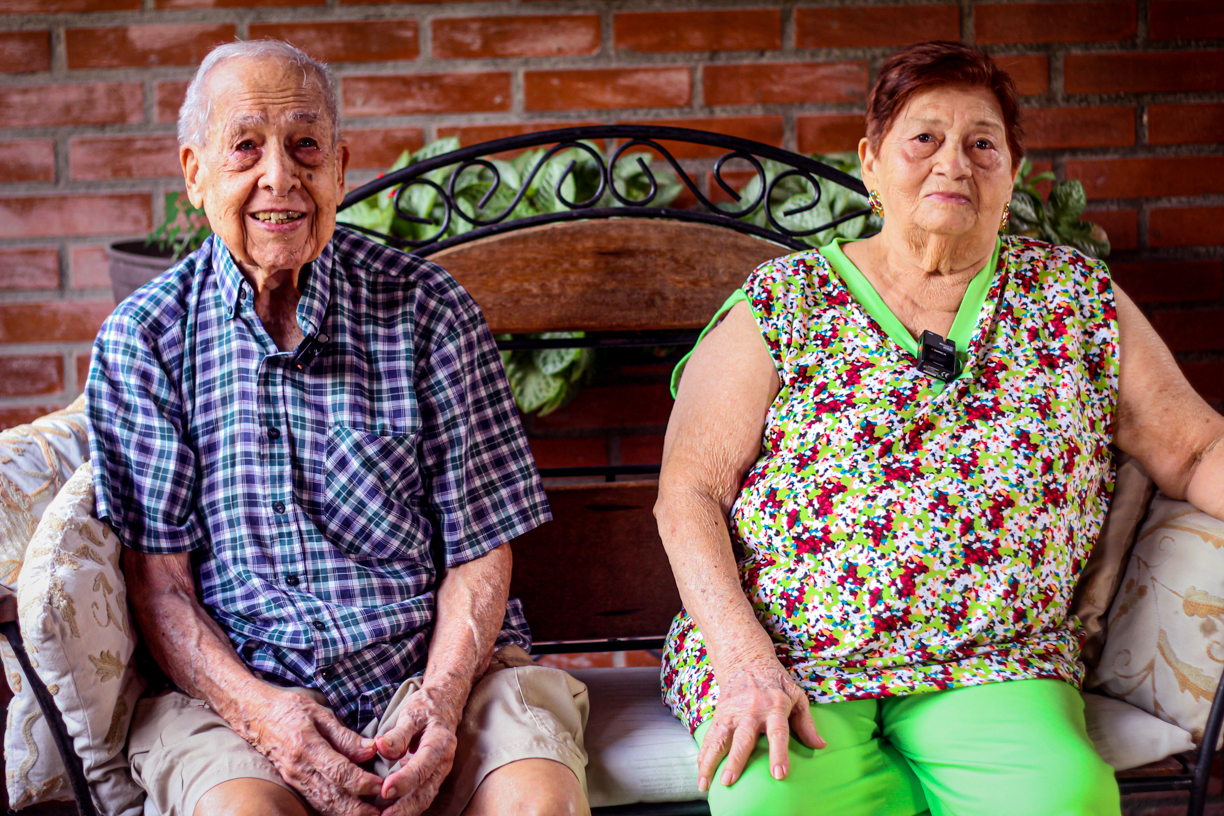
x: 867, y: 160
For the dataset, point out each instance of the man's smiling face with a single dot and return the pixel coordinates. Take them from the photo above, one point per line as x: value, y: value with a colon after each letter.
x: 270, y: 176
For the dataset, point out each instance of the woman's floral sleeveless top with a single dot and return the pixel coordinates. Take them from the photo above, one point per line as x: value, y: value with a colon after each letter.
x: 894, y: 538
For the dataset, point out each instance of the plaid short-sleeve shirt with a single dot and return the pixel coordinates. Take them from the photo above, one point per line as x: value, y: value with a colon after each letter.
x: 319, y: 505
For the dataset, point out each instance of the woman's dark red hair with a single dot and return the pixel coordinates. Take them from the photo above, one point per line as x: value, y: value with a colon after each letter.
x: 927, y: 65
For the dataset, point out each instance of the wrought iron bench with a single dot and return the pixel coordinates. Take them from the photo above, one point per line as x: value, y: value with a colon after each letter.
x: 597, y: 578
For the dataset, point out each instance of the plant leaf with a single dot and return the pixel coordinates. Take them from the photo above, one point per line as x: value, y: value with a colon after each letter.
x: 536, y: 389
x: 369, y: 214
x: 1067, y: 200
x: 1026, y: 206
x: 836, y: 196
x: 845, y: 161
x: 435, y: 148
x: 627, y: 166
x: 1026, y: 167
x: 856, y: 226
x: 403, y: 161
x: 555, y: 171
x: 667, y: 193
x: 510, y: 176
x: 748, y: 194
x: 817, y: 216
x: 553, y: 361
x: 524, y: 163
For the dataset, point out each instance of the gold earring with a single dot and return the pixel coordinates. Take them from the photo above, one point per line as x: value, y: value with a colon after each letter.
x: 1006, y: 216
x: 877, y: 206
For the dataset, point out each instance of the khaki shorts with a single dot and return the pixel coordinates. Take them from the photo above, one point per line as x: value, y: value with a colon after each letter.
x: 179, y: 748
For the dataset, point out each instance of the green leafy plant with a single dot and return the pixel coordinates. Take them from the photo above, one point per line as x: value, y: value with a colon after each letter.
x: 541, y: 380
x: 546, y: 379
x: 1058, y: 219
x: 795, y: 193
x: 183, y: 229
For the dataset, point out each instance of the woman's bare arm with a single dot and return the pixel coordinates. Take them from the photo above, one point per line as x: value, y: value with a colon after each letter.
x: 713, y: 438
x: 1162, y: 421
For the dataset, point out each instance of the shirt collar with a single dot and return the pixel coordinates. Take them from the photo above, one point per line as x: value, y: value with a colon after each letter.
x: 229, y: 277
x: 315, y: 282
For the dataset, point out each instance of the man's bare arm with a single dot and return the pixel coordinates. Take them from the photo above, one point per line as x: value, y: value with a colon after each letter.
x: 184, y: 639
x: 310, y: 748
x: 471, y: 607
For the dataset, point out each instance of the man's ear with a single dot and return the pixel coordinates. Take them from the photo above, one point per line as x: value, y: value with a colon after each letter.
x: 342, y: 161
x: 189, y: 158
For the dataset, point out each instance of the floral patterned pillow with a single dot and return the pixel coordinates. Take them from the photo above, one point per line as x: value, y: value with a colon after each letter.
x: 1164, y: 642
x: 73, y: 610
x: 36, y: 460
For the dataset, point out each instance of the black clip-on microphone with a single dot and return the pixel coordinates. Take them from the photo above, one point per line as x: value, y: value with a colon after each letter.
x: 937, y: 357
x: 308, y: 349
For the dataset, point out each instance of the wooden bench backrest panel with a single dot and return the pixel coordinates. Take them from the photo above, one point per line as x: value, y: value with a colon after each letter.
x: 615, y: 274
x: 598, y: 570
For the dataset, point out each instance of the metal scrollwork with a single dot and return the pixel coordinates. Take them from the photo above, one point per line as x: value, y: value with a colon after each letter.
x: 475, y: 159
x: 558, y: 188
x: 721, y: 182
x: 684, y: 177
x: 769, y: 210
x: 401, y: 209
x: 484, y: 199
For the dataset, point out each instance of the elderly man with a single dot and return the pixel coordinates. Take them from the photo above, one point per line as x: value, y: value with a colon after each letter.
x: 307, y: 443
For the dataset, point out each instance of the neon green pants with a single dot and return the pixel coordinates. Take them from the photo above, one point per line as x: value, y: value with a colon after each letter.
x: 1018, y: 748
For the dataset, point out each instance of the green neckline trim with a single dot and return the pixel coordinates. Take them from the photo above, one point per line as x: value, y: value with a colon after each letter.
x: 862, y: 291
x: 966, y: 316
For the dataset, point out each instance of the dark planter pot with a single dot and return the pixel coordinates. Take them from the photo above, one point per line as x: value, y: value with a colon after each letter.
x: 132, y: 265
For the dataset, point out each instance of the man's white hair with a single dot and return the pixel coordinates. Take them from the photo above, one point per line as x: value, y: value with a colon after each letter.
x: 196, y: 113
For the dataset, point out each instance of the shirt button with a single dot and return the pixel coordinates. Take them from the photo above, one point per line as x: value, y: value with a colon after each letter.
x: 292, y: 580
x: 328, y: 674
x: 273, y: 434
x: 320, y: 625
x: 278, y: 506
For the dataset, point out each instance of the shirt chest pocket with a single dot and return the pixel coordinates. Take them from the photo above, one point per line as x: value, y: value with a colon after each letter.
x: 371, y: 485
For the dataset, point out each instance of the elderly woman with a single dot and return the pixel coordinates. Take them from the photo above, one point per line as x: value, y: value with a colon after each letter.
x: 876, y: 538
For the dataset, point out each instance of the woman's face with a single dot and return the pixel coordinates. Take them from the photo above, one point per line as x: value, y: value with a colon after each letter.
x: 943, y: 168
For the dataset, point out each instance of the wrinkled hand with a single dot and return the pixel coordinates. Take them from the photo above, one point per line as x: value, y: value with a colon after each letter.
x: 314, y: 752
x: 752, y: 699
x: 424, y: 738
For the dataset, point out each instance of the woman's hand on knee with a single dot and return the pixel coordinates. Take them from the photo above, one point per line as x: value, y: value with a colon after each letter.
x: 751, y: 701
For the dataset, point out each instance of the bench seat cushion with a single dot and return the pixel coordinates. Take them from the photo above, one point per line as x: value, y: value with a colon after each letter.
x: 639, y: 752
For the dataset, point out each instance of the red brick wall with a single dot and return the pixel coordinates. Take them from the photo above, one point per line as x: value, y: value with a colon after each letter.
x: 1127, y: 95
